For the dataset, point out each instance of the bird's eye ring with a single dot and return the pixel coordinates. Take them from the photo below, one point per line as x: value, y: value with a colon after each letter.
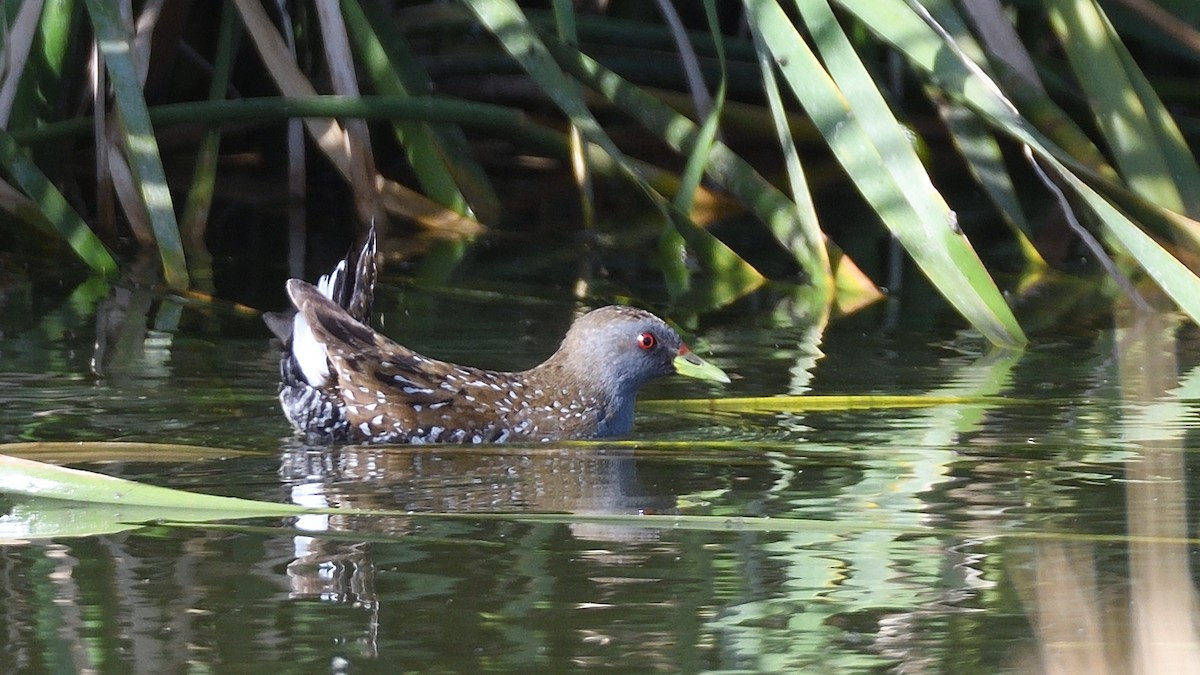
x: 647, y: 341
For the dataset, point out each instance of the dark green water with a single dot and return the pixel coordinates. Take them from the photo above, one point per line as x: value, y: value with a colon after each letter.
x: 1048, y: 531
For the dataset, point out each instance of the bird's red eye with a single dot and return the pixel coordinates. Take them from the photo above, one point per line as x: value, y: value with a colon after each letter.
x: 647, y: 340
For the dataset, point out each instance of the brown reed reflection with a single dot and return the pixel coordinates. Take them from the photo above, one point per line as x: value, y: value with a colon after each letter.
x: 1080, y: 626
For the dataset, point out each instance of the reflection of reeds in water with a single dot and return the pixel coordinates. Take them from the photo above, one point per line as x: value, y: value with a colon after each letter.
x: 1078, y: 629
x: 1163, y: 600
x: 1082, y: 627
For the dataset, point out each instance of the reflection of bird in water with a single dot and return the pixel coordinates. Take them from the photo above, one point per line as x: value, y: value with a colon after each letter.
x: 464, y: 480
x: 452, y: 480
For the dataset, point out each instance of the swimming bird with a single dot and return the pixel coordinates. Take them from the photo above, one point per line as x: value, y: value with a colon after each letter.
x: 344, y: 382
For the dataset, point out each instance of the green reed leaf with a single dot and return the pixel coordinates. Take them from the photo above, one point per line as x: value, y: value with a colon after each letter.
x: 1146, y: 144
x: 54, y: 207
x: 878, y: 156
x: 138, y: 139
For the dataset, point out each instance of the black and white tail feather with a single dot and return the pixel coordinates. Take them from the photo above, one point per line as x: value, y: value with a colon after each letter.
x: 305, y: 392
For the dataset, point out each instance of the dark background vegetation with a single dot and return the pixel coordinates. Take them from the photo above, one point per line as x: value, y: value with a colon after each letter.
x: 1027, y: 155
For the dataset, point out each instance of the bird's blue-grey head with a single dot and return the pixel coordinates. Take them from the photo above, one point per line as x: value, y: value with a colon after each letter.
x: 614, y: 350
x: 622, y: 347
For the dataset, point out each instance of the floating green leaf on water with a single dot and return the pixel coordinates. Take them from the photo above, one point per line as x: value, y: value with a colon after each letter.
x: 53, y: 501
x: 113, y: 451
x: 45, y: 481
x: 826, y: 403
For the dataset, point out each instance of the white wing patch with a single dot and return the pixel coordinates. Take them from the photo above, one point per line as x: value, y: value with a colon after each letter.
x: 310, y: 353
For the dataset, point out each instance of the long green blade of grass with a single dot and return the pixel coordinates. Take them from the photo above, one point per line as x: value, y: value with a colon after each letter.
x: 69, y: 452
x: 565, y: 29
x: 16, y: 45
x: 501, y: 121
x: 878, y: 157
x: 694, y: 169
x: 1146, y: 144
x: 54, y: 207
x: 35, y: 479
x: 439, y: 155
x: 899, y: 25
x: 671, y: 243
x: 139, y: 140
x: 1066, y: 139
x: 724, y: 166
x: 975, y: 142
x: 194, y: 222
x: 505, y: 20
x: 1014, y: 67
x: 985, y: 160
x: 806, y: 210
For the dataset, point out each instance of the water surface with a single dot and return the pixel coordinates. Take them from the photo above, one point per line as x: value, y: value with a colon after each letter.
x: 1041, y: 523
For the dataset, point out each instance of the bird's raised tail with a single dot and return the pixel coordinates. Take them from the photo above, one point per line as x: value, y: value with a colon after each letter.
x: 304, y: 367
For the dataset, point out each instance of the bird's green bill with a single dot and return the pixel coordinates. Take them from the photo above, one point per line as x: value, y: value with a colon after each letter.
x: 687, y: 363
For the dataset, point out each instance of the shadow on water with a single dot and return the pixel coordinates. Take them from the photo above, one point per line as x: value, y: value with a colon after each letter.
x: 1038, y: 521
